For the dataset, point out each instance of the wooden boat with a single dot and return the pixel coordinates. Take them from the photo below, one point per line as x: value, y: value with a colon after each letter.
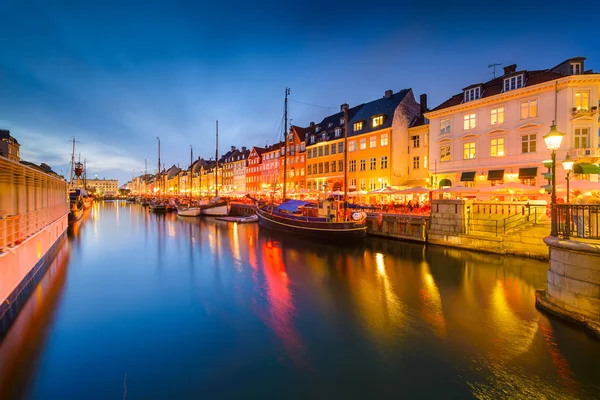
x: 76, y: 205
x: 215, y: 208
x: 308, y: 219
x: 188, y: 211
x: 157, y: 207
x: 240, y: 220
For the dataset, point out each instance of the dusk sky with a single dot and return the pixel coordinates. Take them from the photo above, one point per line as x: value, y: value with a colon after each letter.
x: 117, y: 74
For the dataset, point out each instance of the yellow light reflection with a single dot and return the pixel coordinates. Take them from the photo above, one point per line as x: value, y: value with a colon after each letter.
x: 431, y: 302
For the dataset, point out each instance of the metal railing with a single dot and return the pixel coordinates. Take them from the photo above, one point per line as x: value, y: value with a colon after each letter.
x: 527, y: 214
x: 578, y: 221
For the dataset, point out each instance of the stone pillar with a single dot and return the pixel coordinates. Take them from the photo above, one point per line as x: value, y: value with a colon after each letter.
x: 573, y: 282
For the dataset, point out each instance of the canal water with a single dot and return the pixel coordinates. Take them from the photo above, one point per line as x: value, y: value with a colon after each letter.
x: 144, y: 306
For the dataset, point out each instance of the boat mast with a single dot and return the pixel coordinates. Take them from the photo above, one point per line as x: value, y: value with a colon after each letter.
x: 285, y: 142
x: 217, y: 162
x: 345, y: 160
x: 191, y: 180
x: 145, y: 176
x: 158, y: 173
x: 72, y: 163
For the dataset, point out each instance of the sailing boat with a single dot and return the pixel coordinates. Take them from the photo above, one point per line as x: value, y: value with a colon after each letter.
x: 156, y: 205
x: 76, y: 193
x: 323, y: 220
x: 189, y: 210
x: 216, y: 207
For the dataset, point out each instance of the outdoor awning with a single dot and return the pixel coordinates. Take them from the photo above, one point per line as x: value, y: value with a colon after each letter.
x: 467, y: 176
x: 584, y: 168
x: 496, y: 175
x: 445, y: 183
x: 527, y: 173
x: 414, y: 182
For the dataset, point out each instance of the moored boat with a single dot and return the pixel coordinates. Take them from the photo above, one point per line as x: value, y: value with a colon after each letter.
x: 188, y: 211
x: 157, y: 207
x: 215, y: 208
x: 321, y: 221
x: 76, y: 205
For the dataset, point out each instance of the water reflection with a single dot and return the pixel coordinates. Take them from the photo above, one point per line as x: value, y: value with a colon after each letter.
x: 221, y: 303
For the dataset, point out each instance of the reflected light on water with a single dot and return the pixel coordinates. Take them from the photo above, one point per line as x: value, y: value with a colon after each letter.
x: 431, y: 302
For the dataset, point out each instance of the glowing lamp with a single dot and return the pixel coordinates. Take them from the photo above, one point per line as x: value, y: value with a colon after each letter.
x: 568, y: 163
x: 553, y: 138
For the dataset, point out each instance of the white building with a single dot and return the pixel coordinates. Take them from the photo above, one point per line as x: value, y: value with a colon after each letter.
x: 103, y: 186
x: 491, y: 132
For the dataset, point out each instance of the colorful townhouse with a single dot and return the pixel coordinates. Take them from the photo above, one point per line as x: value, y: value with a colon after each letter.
x: 492, y: 132
x: 271, y: 168
x: 295, y: 158
x: 240, y: 166
x: 254, y: 170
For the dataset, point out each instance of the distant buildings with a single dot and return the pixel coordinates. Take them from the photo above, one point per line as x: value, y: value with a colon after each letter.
x: 103, y: 186
x: 9, y: 146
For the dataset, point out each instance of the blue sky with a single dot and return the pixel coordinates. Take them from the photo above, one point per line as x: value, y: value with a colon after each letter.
x: 117, y: 74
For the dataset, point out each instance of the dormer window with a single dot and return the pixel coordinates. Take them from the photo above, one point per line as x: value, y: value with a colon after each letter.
x: 377, y: 121
x: 341, y: 121
x: 575, y: 68
x: 358, y: 126
x: 338, y: 132
x: 312, y: 140
x: 514, y: 82
x: 291, y: 138
x: 472, y: 94
x: 317, y: 129
x: 324, y: 136
x: 330, y: 125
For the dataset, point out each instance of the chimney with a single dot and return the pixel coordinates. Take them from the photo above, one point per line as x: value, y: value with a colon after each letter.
x: 388, y: 94
x: 344, y: 107
x: 312, y: 124
x: 423, y: 100
x: 509, y: 69
x: 243, y: 149
x: 232, y: 148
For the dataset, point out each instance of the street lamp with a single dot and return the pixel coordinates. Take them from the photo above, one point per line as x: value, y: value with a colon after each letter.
x: 568, y: 166
x: 553, y: 140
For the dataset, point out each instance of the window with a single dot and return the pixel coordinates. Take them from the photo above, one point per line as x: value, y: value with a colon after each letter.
x: 333, y: 165
x: 352, y: 145
x: 333, y: 148
x: 291, y: 138
x: 317, y: 129
x: 444, y: 153
x: 314, y: 169
x: 341, y: 165
x: 363, y: 164
x: 416, y: 162
x: 582, y: 100
x: 340, y: 147
x: 314, y: 151
x: 352, y: 183
x: 326, y: 168
x: 301, y: 158
x: 445, y: 126
x: 320, y: 167
x: 529, y: 143
x: 582, y: 138
x: 528, y: 109
x: 342, y: 121
x: 309, y: 154
x: 363, y: 143
x: 575, y: 68
x: 320, y: 151
x: 338, y: 132
x: 372, y: 184
x: 425, y: 162
x: 497, y: 147
x: 301, y: 171
x: 469, y: 121
x: 384, y: 163
x: 514, y: 82
x: 352, y: 166
x: 324, y: 136
x: 326, y: 150
x: 372, y: 142
x: 469, y: 151
x: 472, y: 94
x: 497, y: 116
x: 358, y: 126
x: 363, y: 184
x: 373, y: 163
x: 416, y: 139
x: 384, y: 139
x: 377, y: 121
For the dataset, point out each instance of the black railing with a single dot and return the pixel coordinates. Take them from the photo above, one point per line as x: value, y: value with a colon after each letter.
x: 578, y: 221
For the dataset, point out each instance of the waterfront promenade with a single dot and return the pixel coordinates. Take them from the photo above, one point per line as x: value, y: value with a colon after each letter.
x: 185, y: 307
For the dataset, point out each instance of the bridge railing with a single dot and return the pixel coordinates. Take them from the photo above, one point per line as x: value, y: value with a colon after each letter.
x: 578, y: 221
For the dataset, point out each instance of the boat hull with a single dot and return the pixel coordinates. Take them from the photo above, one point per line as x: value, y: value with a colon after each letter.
x: 75, y: 214
x: 157, y: 209
x: 189, y: 212
x: 215, y: 210
x: 318, y: 230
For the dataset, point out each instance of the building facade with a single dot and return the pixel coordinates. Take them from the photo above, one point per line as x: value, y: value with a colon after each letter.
x: 103, y: 186
x: 492, y: 132
x: 240, y: 165
x: 295, y: 159
x: 254, y: 170
x: 272, y: 165
x: 9, y: 146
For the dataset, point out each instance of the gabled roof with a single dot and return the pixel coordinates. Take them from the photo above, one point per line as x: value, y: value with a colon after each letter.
x: 419, y: 120
x: 301, y: 132
x: 495, y: 86
x: 385, y: 106
x: 335, y: 121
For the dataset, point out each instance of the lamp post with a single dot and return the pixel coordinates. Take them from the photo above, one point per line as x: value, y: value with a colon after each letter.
x: 553, y: 140
x: 568, y: 166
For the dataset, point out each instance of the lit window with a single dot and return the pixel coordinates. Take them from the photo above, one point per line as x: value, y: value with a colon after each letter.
x: 497, y: 147
x: 384, y: 162
x: 416, y: 139
x: 445, y: 126
x: 352, y: 145
x: 358, y: 126
x: 384, y: 139
x: 317, y: 129
x: 582, y: 100
x: 445, y: 153
x: 469, y: 121
x: 363, y: 143
x: 372, y: 142
x: 341, y: 121
x: 497, y: 116
x: 338, y: 132
x: 582, y: 138
x: 529, y: 143
x: 373, y: 163
x: 363, y: 164
x: 377, y: 121
x: 425, y: 162
x: 352, y: 183
x: 416, y: 162
x: 575, y: 68
x: 528, y: 109
x: 363, y: 184
x: 472, y: 94
x: 514, y: 82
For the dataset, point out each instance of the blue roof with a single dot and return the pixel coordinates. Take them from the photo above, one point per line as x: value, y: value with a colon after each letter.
x: 385, y: 106
x: 292, y: 205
